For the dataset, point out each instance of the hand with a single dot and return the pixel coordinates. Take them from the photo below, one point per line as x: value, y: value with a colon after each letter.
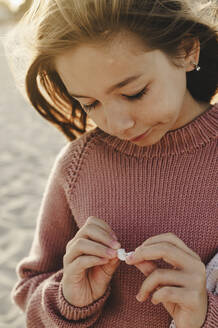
x: 184, y: 293
x: 88, y: 264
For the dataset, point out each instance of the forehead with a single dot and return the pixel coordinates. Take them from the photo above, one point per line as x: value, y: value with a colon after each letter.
x: 91, y: 63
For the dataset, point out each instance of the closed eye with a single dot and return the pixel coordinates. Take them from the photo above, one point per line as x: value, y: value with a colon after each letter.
x: 137, y: 96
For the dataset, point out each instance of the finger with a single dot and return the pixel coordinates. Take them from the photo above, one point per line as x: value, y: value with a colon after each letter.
x: 110, y: 267
x: 161, y: 277
x: 173, y: 239
x: 81, y: 264
x: 167, y: 252
x: 95, y: 233
x: 83, y: 246
x: 102, y: 224
x: 185, y: 297
x: 146, y: 267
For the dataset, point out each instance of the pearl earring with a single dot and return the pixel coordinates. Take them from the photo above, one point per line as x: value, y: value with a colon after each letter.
x: 196, y: 66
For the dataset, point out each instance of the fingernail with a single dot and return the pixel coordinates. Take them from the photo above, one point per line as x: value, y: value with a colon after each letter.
x: 139, y: 297
x: 115, y: 244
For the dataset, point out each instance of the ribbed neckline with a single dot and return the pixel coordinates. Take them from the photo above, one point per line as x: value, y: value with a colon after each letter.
x: 191, y: 136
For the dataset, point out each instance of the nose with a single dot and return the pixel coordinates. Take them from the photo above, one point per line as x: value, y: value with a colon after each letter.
x: 119, y: 121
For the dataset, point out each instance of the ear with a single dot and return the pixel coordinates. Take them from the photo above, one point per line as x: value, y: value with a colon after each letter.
x: 191, y: 54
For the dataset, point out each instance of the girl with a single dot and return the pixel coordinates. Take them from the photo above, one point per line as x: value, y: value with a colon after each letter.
x: 143, y: 178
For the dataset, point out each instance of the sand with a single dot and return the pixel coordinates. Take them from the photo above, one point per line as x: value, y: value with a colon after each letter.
x: 28, y: 147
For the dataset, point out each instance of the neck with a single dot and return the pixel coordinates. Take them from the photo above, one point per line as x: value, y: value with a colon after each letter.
x: 191, y: 110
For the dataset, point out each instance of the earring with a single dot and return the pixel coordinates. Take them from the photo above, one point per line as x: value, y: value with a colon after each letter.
x: 196, y: 66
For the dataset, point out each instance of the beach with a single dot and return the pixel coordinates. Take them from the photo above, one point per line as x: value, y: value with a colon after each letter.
x: 28, y: 149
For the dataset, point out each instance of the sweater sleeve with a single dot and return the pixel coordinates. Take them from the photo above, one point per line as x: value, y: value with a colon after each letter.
x: 38, y: 291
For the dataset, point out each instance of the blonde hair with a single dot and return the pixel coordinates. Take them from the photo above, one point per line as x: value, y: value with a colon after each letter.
x: 50, y: 27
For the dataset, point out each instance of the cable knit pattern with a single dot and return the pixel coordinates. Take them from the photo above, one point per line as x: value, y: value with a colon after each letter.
x: 140, y: 192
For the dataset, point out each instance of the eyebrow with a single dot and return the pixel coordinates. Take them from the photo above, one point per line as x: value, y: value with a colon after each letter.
x: 116, y: 86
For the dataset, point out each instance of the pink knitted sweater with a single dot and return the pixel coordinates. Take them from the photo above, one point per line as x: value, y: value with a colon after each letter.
x: 141, y: 192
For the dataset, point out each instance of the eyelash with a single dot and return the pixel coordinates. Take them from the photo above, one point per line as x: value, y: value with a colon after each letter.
x: 138, y: 96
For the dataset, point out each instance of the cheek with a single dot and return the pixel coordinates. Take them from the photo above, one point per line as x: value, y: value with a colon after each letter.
x: 158, y: 108
x: 167, y: 95
x: 171, y: 87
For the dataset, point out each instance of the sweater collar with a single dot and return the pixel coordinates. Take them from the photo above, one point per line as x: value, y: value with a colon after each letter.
x: 193, y: 135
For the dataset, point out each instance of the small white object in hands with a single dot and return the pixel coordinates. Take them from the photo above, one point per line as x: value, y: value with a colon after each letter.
x: 121, y: 253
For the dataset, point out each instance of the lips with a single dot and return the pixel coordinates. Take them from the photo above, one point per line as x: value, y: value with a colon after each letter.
x: 142, y: 135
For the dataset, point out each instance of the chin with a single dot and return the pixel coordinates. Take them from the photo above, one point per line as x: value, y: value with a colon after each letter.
x: 149, y: 141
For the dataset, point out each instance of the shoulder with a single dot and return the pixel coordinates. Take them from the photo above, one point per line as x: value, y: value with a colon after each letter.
x: 72, y: 154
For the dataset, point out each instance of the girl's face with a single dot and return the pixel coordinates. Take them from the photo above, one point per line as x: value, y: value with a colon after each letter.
x: 128, y: 90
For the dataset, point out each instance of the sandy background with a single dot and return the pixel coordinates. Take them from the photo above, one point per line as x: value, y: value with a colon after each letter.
x: 28, y: 147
